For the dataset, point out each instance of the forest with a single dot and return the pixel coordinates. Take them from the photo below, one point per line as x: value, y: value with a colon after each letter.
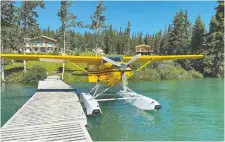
x: 180, y: 37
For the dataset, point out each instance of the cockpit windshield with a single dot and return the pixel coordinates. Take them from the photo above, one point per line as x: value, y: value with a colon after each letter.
x: 116, y: 59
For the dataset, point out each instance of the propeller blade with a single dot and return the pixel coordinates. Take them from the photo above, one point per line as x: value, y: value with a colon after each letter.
x: 133, y: 59
x: 124, y: 81
x: 111, y: 61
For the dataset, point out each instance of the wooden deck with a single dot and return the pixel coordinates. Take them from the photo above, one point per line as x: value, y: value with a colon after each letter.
x: 54, y: 113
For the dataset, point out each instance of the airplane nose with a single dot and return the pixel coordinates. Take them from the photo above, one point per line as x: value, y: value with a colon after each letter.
x: 158, y: 107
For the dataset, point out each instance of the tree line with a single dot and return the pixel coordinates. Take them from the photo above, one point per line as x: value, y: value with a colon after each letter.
x: 180, y: 37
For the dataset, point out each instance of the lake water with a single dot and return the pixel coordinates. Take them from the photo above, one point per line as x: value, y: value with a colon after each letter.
x: 191, y: 110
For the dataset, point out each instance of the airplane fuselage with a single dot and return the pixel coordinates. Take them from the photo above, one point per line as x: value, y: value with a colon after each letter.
x: 107, y: 73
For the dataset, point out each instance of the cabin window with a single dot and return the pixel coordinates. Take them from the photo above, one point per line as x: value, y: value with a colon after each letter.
x: 43, y: 49
x: 35, y: 43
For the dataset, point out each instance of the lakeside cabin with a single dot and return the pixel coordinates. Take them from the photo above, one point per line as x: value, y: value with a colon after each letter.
x: 40, y: 44
x: 144, y: 49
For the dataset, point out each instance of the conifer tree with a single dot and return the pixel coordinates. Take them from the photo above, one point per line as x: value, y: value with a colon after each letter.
x: 175, y: 39
x: 28, y: 17
x: 157, y: 42
x: 98, y: 23
x: 10, y: 31
x: 146, y: 39
x: 164, y: 42
x: 126, y: 41
x: 109, y: 41
x: 214, y: 44
x: 67, y: 20
x: 140, y: 38
x: 198, y: 32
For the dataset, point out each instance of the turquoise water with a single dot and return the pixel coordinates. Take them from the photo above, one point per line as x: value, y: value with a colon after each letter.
x: 191, y: 110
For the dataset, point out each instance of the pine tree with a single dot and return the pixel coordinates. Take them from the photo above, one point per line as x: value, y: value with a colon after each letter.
x: 10, y: 31
x: 186, y: 39
x: 157, y: 42
x: 164, y: 42
x: 198, y: 33
x: 98, y: 23
x: 126, y: 41
x: 48, y: 32
x: 28, y: 17
x: 107, y: 40
x: 186, y: 28
x: 146, y: 39
x: 140, y: 38
x: 67, y: 20
x: 214, y: 44
x: 176, y: 37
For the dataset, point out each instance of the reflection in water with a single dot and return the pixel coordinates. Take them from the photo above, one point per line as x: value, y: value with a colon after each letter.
x: 2, y: 86
x: 13, y: 96
x: 148, y: 116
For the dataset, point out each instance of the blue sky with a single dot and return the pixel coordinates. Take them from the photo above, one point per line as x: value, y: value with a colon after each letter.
x: 145, y: 16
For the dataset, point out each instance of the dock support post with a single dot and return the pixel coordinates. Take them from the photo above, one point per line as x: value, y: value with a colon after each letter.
x: 2, y: 71
x: 24, y: 66
x: 64, y: 52
x: 24, y: 63
x: 63, y: 71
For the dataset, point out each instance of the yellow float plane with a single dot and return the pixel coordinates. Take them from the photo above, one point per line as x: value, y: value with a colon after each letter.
x: 110, y: 71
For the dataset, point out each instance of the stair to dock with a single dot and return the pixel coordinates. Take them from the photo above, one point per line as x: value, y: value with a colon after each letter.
x: 53, y: 113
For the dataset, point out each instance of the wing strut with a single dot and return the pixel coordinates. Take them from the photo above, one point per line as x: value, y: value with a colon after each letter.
x: 140, y: 68
x: 77, y: 66
x: 80, y: 68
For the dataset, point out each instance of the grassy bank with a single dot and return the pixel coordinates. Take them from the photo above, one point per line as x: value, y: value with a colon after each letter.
x: 14, y: 72
x: 155, y: 71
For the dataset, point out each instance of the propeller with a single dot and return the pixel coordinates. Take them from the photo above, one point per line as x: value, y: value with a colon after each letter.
x: 124, y: 79
x: 133, y: 59
x: 123, y: 66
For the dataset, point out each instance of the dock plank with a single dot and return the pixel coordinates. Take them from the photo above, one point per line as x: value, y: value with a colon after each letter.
x: 48, y: 116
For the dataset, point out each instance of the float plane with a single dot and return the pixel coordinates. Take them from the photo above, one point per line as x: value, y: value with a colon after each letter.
x: 109, y: 71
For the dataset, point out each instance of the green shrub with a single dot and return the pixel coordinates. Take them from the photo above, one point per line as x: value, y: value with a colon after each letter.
x: 37, y: 72
x: 15, y: 77
x: 151, y: 74
x: 168, y: 71
x: 195, y: 74
x: 164, y: 71
x: 69, y: 78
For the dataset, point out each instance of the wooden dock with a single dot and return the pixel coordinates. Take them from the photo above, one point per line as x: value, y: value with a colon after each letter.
x: 53, y: 113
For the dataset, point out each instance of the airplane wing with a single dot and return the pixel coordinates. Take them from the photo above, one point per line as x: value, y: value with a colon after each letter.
x: 53, y: 58
x: 92, y: 59
x: 161, y: 58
